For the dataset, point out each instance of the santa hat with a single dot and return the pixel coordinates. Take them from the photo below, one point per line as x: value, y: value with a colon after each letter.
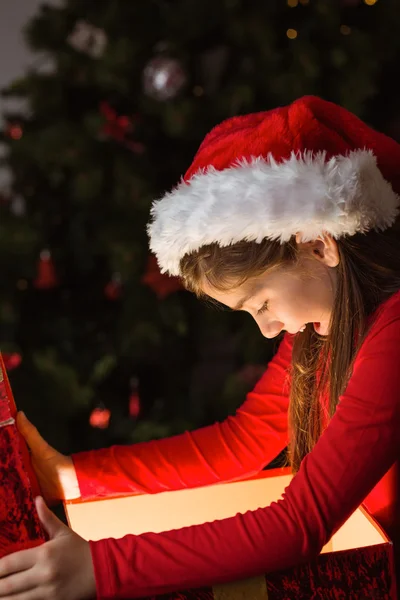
x: 310, y: 167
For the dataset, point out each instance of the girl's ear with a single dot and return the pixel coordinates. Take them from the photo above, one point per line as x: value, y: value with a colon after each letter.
x: 324, y: 248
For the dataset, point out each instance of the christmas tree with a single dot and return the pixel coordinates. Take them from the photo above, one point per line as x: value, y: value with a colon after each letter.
x: 106, y: 349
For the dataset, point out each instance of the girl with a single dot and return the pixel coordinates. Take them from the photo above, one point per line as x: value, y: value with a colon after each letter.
x: 289, y: 215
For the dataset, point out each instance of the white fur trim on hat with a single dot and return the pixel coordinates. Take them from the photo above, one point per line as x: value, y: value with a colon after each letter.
x: 262, y: 198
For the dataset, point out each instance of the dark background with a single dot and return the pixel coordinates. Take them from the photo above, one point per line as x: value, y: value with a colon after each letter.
x: 100, y: 347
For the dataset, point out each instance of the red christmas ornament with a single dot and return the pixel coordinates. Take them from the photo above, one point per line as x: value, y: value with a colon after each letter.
x: 119, y: 127
x: 113, y: 289
x: 11, y: 360
x: 162, y: 285
x: 134, y: 405
x: 46, y: 277
x: 134, y: 399
x: 14, y: 131
x: 100, y: 417
x: 115, y: 126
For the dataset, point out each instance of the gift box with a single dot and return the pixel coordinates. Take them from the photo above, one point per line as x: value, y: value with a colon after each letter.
x: 20, y: 527
x: 357, y: 563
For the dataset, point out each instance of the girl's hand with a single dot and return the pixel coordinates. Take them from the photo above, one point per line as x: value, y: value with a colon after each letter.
x: 61, y: 568
x: 55, y: 472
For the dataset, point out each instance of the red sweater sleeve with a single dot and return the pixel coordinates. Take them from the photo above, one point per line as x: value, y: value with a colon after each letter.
x: 236, y: 448
x: 357, y: 448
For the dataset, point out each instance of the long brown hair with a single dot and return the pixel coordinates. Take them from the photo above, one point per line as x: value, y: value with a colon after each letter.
x: 367, y: 274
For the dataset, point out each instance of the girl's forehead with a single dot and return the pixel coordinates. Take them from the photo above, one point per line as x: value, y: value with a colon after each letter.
x: 237, y: 295
x: 253, y: 285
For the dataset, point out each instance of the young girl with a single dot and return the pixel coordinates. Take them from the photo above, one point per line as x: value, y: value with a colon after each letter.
x: 289, y: 215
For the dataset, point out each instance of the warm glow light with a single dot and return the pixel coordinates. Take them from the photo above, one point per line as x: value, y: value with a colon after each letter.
x: 345, y: 29
x: 292, y: 34
x: 292, y: 3
x: 304, y: 1
x: 370, y: 2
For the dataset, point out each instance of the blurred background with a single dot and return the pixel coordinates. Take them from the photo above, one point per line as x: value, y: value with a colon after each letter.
x: 103, y: 106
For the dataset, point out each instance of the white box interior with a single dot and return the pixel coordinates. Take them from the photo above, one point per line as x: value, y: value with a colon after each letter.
x: 116, y: 517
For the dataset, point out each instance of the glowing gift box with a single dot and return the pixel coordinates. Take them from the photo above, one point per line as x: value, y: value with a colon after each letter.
x: 356, y: 563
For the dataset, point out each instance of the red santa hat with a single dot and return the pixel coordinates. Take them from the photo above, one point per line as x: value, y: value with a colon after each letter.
x: 311, y: 167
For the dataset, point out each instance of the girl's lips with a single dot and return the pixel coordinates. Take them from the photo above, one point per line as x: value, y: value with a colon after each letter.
x: 317, y: 327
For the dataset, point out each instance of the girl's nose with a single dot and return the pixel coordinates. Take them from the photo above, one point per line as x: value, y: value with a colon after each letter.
x: 269, y: 329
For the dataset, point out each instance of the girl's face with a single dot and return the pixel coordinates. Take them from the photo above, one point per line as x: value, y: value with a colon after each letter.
x: 289, y: 298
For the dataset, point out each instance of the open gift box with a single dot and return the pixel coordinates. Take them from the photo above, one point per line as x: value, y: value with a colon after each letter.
x: 356, y: 564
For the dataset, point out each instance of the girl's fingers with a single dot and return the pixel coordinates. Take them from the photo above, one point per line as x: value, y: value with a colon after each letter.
x: 18, y: 561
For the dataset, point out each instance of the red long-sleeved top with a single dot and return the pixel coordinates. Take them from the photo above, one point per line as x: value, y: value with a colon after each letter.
x: 354, y: 461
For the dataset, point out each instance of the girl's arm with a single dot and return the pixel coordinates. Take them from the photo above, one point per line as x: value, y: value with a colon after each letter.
x: 236, y: 448
x: 357, y: 448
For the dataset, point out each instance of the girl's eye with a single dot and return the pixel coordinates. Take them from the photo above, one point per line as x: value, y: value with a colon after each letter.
x: 263, y: 308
